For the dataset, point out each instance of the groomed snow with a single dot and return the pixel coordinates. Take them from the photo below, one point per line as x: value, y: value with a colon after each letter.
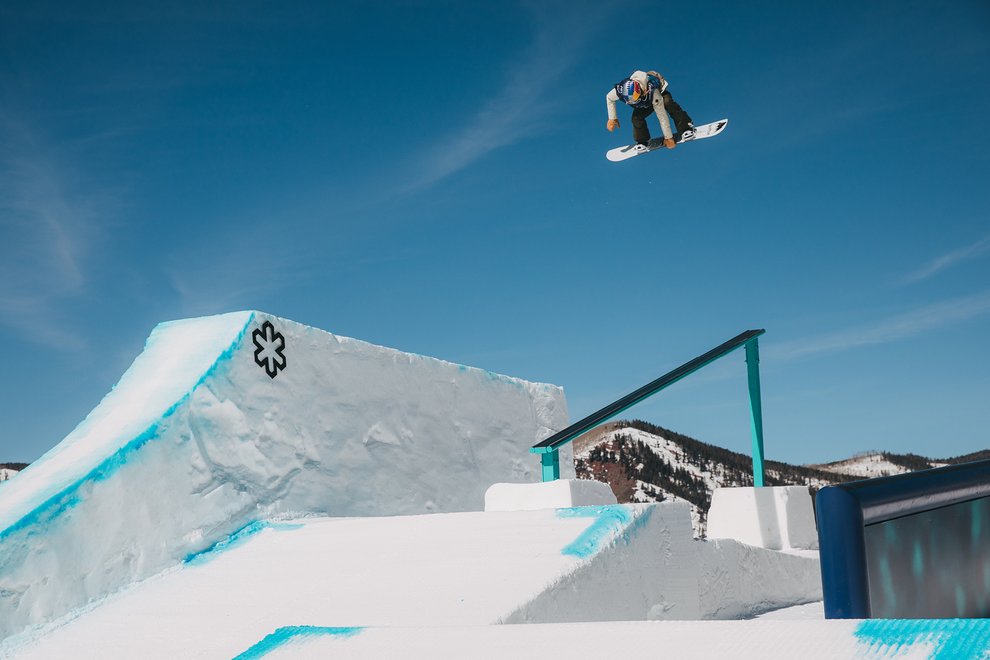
x: 441, y: 569
x: 605, y: 563
x: 684, y: 640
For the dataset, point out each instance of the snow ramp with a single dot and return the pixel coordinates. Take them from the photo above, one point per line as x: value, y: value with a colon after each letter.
x: 428, y: 571
x: 229, y: 419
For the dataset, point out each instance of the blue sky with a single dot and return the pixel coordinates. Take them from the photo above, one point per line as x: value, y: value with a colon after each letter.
x: 431, y: 176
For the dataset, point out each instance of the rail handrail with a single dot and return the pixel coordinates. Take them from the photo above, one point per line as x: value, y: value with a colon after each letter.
x: 548, y: 448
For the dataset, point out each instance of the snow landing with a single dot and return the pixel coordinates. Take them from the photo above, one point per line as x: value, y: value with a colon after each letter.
x: 691, y: 640
x: 430, y: 572
x: 206, y: 433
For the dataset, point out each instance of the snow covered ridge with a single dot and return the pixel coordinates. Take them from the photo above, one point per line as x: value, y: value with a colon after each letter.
x: 226, y: 420
x: 868, y: 465
x: 657, y: 465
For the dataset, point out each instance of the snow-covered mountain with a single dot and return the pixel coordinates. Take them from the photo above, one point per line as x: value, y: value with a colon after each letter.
x: 867, y: 465
x: 648, y: 463
x: 7, y: 470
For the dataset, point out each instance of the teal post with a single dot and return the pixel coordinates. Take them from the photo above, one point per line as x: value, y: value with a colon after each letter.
x: 551, y: 465
x: 755, y: 408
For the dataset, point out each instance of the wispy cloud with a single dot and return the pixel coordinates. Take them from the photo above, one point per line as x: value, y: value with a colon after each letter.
x: 902, y: 326
x: 219, y: 271
x: 48, y: 227
x: 510, y: 114
x: 937, y: 265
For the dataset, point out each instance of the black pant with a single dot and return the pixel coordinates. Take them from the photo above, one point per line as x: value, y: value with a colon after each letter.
x: 641, y: 132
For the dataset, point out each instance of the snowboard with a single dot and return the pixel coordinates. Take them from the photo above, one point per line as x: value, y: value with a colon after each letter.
x: 700, y: 133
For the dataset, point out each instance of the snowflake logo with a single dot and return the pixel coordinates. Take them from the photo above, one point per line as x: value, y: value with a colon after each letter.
x: 268, y: 349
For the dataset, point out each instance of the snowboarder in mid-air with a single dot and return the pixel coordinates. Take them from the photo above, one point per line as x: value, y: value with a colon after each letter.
x: 647, y: 92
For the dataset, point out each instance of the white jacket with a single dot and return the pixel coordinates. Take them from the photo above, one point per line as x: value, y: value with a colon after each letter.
x: 640, y: 76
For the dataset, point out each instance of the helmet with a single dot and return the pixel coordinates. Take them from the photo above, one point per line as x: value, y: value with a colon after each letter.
x: 633, y: 90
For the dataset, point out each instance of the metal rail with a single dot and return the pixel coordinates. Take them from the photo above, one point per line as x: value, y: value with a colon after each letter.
x: 548, y: 449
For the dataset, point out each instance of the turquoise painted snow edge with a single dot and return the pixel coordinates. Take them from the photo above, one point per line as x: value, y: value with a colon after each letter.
x: 949, y: 638
x: 286, y: 634
x: 611, y: 520
x: 68, y: 497
x: 238, y: 538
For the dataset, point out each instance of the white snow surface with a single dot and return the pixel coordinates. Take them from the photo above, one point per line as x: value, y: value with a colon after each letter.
x: 557, y: 494
x: 197, y: 441
x: 683, y: 640
x: 608, y: 563
x: 778, y: 518
x: 6, y: 473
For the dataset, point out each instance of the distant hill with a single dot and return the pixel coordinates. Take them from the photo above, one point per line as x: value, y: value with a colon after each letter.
x: 648, y: 463
x: 7, y: 470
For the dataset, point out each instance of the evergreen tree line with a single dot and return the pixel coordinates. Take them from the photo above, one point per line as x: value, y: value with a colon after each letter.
x: 639, y: 461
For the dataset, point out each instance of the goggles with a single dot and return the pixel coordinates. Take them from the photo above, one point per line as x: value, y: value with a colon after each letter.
x: 634, y: 91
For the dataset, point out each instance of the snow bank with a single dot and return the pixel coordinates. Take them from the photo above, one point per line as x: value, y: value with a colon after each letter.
x: 225, y: 420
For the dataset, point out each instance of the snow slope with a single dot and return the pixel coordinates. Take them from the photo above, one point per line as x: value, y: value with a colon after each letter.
x: 607, y: 563
x: 441, y: 569
x: 206, y: 433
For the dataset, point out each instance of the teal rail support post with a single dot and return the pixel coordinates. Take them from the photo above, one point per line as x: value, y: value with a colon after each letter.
x: 551, y: 465
x: 755, y: 408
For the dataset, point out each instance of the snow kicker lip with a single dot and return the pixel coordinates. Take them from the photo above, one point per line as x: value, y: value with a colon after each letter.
x: 66, y: 496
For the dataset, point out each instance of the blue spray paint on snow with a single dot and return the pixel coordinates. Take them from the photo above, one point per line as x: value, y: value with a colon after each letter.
x: 286, y: 634
x: 70, y: 496
x: 238, y: 538
x: 609, y: 521
x: 949, y: 638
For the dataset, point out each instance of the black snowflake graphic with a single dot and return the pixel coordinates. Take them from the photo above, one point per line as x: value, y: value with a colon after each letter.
x: 268, y: 349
